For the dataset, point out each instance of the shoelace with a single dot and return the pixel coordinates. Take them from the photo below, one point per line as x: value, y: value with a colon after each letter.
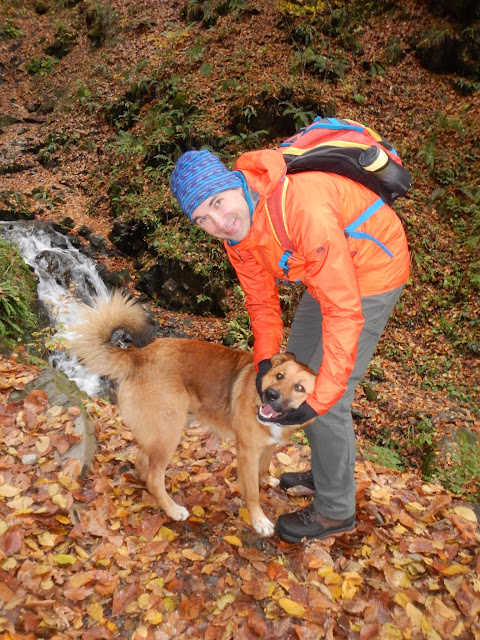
x: 307, y: 515
x: 306, y: 475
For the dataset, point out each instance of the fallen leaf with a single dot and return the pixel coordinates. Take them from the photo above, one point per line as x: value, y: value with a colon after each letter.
x: 245, y: 515
x: 454, y: 569
x: 191, y: 554
x: 63, y: 558
x: 95, y: 611
x: 20, y: 504
x: 380, y: 495
x: 223, y: 601
x: 466, y: 513
x: 283, y: 458
x: 291, y: 607
x: 9, y: 491
x: 352, y: 580
x: 42, y: 444
x: 415, y: 615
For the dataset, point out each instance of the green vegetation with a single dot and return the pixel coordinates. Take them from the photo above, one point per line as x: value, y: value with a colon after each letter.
x: 41, y: 66
x: 16, y: 203
x: 10, y: 30
x: 101, y: 21
x: 52, y: 143
x: 17, y: 298
x: 63, y: 41
x: 457, y: 469
x: 383, y: 456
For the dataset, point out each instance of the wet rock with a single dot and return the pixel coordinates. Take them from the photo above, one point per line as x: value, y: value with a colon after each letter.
x: 76, y: 242
x: 67, y: 222
x: 15, y: 167
x: 369, y: 390
x: 85, y: 232
x: 357, y: 414
x: 14, y: 206
x: 117, y: 277
x: 6, y: 120
x: 129, y: 237
x: 98, y: 243
x: 375, y: 373
x: 177, y: 287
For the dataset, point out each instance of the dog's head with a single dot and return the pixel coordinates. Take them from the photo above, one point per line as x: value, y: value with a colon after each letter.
x: 284, y: 387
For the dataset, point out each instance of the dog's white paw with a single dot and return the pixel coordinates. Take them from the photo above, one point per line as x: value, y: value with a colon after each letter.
x: 272, y: 482
x: 263, y: 526
x: 178, y: 513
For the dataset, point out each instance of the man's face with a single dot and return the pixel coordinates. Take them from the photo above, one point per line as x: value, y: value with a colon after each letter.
x: 225, y: 215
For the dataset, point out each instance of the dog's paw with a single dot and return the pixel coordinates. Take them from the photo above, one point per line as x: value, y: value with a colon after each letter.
x: 269, y: 482
x: 272, y: 482
x: 263, y: 526
x: 178, y: 513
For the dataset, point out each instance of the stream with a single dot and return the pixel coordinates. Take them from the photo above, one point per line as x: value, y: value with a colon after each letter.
x: 65, y: 277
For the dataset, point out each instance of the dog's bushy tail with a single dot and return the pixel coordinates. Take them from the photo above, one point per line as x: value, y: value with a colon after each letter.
x: 91, y: 337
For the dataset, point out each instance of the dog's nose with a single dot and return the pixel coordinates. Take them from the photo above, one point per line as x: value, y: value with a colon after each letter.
x: 271, y: 394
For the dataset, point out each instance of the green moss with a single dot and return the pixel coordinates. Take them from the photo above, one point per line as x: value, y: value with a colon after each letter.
x: 17, y: 298
x: 456, y: 465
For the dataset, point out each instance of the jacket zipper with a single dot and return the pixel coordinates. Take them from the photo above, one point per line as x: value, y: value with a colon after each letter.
x: 266, y: 264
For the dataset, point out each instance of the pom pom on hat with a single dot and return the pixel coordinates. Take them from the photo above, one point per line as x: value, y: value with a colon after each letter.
x: 198, y: 175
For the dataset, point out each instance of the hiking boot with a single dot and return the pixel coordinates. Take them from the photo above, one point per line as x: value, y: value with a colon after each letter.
x: 309, y: 523
x: 295, y: 479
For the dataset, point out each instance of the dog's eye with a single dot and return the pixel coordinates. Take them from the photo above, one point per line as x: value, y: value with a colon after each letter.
x: 299, y: 388
x: 279, y: 376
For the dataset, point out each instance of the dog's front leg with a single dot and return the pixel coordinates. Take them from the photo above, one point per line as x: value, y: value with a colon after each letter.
x: 158, y: 461
x: 248, y: 479
x: 266, y: 480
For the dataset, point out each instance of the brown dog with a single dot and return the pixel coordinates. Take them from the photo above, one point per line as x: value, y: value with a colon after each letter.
x: 162, y: 381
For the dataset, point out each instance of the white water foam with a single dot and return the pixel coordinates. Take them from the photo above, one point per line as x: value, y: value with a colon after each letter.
x: 65, y: 277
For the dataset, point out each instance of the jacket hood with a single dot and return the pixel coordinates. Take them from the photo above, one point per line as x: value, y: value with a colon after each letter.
x: 263, y: 170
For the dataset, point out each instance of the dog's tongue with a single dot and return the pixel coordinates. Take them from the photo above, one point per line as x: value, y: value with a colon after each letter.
x: 267, y: 412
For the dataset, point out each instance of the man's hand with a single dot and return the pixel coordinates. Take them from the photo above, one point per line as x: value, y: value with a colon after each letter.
x: 299, y: 416
x: 263, y: 367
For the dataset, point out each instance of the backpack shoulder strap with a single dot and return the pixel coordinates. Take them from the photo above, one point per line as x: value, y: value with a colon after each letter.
x: 275, y: 208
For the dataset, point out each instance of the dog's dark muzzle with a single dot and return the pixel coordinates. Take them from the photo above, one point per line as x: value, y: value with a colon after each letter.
x: 272, y: 404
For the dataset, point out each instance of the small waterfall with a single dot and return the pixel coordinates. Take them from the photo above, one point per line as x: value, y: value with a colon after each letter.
x: 65, y: 276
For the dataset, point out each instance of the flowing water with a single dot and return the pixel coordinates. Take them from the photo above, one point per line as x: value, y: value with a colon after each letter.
x: 65, y: 277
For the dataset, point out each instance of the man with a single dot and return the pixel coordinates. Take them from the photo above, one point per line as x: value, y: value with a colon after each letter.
x: 352, y: 286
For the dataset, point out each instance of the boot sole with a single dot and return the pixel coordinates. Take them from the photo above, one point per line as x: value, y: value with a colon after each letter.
x: 332, y: 534
x: 286, y: 488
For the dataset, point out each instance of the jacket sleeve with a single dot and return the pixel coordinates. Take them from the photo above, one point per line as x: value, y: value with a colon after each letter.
x: 262, y: 302
x: 316, y: 230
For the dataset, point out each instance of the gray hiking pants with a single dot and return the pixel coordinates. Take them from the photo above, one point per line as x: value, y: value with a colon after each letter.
x: 331, y: 436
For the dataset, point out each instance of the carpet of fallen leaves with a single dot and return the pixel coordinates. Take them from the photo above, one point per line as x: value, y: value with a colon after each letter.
x: 94, y: 557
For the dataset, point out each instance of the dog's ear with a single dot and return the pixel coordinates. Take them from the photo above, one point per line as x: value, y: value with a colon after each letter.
x: 280, y: 358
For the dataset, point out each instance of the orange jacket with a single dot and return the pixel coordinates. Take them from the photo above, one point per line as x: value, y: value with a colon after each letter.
x: 336, y: 271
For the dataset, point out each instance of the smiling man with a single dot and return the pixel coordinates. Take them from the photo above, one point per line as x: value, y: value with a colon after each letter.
x: 352, y: 285
x: 224, y: 215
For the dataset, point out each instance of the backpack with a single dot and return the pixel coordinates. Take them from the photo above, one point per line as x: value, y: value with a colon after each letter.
x: 349, y: 149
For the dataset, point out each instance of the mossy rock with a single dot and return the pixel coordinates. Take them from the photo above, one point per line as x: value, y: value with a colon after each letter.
x: 63, y: 392
x: 455, y: 463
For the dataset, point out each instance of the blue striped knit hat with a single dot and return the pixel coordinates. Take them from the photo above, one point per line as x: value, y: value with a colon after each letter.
x: 198, y: 175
